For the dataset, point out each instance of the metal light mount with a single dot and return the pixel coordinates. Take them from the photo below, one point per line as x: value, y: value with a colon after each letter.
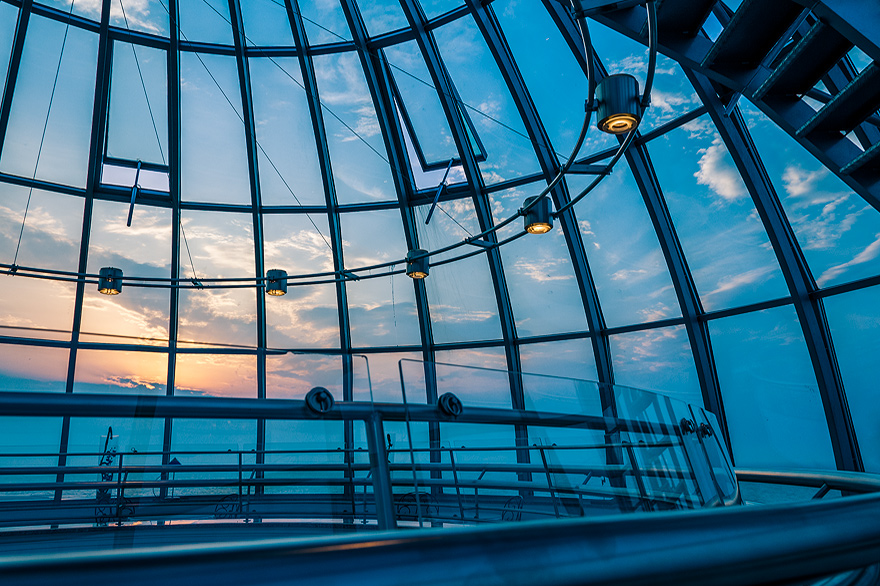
x: 619, y: 108
x: 320, y: 400
x: 276, y: 282
x: 417, y: 265
x: 110, y: 281
x: 538, y: 214
x: 450, y: 404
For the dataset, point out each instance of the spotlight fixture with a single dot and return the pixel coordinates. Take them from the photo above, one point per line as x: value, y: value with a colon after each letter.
x: 110, y: 281
x: 618, y: 104
x: 538, y: 218
x: 276, y: 282
x: 417, y: 263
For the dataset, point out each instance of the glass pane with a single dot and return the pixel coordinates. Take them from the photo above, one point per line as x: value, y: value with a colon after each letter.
x: 553, y: 77
x: 773, y: 408
x: 486, y: 99
x: 32, y: 368
x: 838, y: 232
x: 50, y: 233
x: 385, y: 378
x: 128, y: 444
x: 568, y: 358
x: 23, y: 436
x: 462, y: 301
x: 213, y: 154
x: 64, y: 155
x: 149, y: 16
x: 216, y: 375
x: 266, y: 23
x: 659, y: 360
x: 291, y: 376
x: 630, y: 272
x: 297, y: 444
x: 382, y: 311
x: 357, y: 151
x: 141, y: 250
x: 138, y: 127
x: 213, y: 442
x: 475, y: 386
x: 382, y: 16
x: 221, y: 245
x: 854, y: 319
x: 421, y: 103
x: 206, y: 21
x: 289, y: 170
x: 540, y: 277
x: 324, y: 21
x: 433, y: 8
x: 307, y: 317
x: 124, y: 373
x: 727, y: 248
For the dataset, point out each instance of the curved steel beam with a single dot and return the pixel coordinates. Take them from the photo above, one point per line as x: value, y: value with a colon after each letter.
x: 811, y: 313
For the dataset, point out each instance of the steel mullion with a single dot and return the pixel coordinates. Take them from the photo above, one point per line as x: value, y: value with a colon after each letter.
x: 801, y: 284
x: 21, y: 25
x: 96, y: 147
x: 247, y: 111
x: 376, y: 74
x: 310, y: 85
x: 448, y: 98
x: 173, y: 77
x: 592, y: 306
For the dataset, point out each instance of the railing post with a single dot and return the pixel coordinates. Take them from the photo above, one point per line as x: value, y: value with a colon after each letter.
x: 380, y: 471
x: 457, y: 485
x: 119, y: 491
x: 240, y: 481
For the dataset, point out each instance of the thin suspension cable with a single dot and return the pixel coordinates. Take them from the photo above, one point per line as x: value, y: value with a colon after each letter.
x: 241, y: 119
x: 43, y: 136
x: 424, y: 82
x: 186, y: 245
x: 144, y: 86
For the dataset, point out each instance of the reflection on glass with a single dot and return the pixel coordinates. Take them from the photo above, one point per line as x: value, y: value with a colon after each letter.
x: 853, y: 319
x: 658, y: 359
x: 773, y: 408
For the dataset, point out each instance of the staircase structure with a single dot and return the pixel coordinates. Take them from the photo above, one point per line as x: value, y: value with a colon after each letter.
x: 791, y: 58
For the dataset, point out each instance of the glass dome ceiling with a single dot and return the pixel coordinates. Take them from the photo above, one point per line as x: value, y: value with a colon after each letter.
x: 721, y: 262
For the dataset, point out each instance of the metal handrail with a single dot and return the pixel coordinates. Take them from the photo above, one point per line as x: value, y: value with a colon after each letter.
x: 738, y: 545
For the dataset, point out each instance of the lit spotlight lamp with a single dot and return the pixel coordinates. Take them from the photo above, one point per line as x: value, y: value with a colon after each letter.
x: 276, y: 282
x: 110, y: 281
x: 417, y: 263
x: 618, y: 110
x: 538, y: 219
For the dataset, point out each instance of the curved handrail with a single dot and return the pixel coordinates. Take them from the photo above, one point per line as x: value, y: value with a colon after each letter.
x: 833, y: 479
x: 740, y: 545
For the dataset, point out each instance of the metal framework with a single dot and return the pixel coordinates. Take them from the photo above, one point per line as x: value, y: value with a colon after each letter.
x: 706, y: 62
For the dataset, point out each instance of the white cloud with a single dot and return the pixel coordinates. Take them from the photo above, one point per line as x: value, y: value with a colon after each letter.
x: 543, y: 270
x: 870, y: 252
x: 717, y: 174
x: 802, y: 184
x: 732, y: 282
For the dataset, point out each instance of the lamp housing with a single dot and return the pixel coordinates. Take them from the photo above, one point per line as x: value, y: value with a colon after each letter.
x: 538, y: 218
x: 276, y: 282
x: 618, y: 110
x: 110, y: 281
x: 417, y: 265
